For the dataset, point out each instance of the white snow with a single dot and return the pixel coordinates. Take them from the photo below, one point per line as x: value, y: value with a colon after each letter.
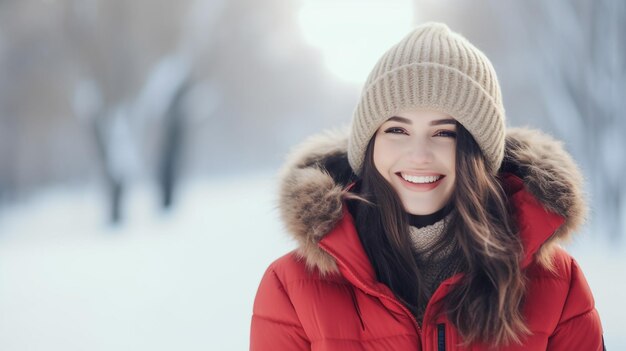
x: 180, y: 280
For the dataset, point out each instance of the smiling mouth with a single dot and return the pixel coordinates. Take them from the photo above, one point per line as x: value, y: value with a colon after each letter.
x: 420, y: 179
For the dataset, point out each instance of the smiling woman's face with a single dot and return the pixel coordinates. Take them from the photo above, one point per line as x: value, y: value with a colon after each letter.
x: 415, y: 151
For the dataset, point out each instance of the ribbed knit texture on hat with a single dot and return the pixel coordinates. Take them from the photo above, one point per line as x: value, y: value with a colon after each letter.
x: 432, y: 68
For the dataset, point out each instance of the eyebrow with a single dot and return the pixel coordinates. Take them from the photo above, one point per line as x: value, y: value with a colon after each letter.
x: 436, y: 122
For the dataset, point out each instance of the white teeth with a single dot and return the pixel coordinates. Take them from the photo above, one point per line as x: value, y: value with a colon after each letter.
x: 420, y: 179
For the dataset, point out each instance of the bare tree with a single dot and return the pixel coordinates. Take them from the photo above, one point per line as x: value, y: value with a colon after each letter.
x: 133, y: 98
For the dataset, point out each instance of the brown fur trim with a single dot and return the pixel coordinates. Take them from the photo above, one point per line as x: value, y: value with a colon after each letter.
x: 551, y: 175
x: 310, y: 200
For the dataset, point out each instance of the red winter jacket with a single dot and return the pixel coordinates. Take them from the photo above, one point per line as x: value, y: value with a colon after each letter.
x: 324, y: 295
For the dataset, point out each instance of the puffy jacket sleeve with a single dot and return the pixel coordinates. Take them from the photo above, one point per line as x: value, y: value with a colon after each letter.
x: 579, y: 327
x: 275, y: 324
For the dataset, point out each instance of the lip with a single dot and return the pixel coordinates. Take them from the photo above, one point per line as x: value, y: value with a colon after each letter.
x: 420, y: 187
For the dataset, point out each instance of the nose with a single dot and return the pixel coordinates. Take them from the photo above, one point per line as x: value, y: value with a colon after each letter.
x: 420, y: 152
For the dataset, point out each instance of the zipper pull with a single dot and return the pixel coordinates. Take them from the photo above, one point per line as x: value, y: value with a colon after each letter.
x: 441, y: 337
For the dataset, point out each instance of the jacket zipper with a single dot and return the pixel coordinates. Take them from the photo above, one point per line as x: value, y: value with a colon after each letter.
x: 441, y: 337
x: 441, y: 328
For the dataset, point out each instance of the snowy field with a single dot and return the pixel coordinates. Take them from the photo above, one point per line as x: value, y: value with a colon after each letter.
x: 182, y: 280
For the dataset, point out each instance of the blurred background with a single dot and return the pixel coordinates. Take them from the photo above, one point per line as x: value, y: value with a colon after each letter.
x: 140, y: 140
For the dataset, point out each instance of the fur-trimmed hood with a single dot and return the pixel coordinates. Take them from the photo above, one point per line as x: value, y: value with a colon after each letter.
x: 314, y: 178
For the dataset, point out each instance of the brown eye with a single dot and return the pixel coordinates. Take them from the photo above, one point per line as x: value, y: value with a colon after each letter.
x: 395, y: 130
x: 446, y: 133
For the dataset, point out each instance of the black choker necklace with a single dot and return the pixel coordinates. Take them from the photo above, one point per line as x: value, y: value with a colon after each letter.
x: 421, y: 221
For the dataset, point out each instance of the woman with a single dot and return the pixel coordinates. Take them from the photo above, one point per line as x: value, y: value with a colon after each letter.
x: 430, y: 226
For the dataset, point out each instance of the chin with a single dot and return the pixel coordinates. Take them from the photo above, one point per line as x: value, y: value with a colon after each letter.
x: 422, y: 211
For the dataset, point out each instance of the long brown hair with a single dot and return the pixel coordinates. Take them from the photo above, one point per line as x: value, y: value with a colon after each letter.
x: 486, y: 305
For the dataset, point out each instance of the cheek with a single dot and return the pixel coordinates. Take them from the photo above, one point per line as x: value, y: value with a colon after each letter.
x: 380, y: 161
x: 452, y: 169
x: 448, y: 156
x: 453, y: 159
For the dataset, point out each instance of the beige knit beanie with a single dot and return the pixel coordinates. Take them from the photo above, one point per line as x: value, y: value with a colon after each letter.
x: 433, y: 68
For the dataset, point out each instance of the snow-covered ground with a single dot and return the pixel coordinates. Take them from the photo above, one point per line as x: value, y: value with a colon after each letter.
x: 181, y: 280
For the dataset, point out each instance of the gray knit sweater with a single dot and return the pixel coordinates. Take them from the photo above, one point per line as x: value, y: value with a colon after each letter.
x: 434, y: 266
